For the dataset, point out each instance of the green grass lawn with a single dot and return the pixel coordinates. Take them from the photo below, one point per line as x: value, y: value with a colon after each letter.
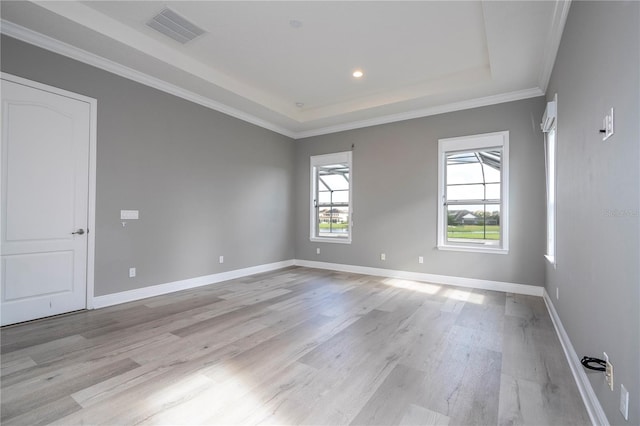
x: 334, y: 226
x: 476, y: 232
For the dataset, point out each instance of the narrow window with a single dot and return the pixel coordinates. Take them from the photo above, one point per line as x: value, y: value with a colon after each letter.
x: 473, y: 190
x: 549, y: 125
x: 331, y: 185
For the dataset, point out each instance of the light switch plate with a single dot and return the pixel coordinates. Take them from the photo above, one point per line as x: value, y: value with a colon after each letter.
x: 129, y: 214
x: 608, y: 125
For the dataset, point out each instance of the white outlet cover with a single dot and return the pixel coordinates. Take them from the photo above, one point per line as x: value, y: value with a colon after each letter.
x: 221, y: 259
x: 624, y: 402
x: 383, y: 256
x: 420, y: 259
x: 132, y: 272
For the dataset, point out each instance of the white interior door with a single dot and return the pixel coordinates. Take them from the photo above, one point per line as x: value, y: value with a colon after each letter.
x: 45, y: 187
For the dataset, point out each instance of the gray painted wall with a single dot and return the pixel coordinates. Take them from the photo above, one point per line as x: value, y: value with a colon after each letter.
x: 598, y: 219
x: 206, y: 184
x: 395, y: 178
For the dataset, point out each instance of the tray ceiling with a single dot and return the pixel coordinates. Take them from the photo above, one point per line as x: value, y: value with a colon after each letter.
x: 288, y: 66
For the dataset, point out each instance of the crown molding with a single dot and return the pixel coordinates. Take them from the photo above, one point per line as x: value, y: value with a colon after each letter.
x: 560, y: 13
x: 425, y: 112
x: 43, y: 41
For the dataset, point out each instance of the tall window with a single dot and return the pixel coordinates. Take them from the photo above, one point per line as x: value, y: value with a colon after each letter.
x: 473, y: 174
x: 549, y: 128
x: 331, y: 197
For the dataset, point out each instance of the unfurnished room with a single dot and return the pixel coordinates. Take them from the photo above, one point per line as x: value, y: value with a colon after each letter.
x: 320, y: 212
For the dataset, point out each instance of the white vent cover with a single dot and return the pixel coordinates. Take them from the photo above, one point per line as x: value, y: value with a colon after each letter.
x: 175, y: 26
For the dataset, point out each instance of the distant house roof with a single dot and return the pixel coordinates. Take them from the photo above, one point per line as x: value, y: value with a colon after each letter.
x: 469, y: 216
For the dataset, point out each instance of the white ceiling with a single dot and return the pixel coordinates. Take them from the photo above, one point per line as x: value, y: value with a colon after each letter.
x: 419, y: 57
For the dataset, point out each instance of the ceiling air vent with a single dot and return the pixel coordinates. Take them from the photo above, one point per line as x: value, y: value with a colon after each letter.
x: 175, y: 26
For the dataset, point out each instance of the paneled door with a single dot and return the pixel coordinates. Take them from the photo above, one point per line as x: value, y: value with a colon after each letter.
x: 45, y: 196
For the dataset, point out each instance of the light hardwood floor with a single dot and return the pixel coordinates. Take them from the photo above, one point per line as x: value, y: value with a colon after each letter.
x: 295, y: 346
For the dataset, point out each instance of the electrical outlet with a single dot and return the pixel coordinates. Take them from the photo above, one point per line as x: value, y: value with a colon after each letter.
x: 318, y: 250
x: 624, y: 402
x: 132, y: 272
x: 383, y: 256
x: 608, y: 373
x: 221, y: 259
x: 420, y: 259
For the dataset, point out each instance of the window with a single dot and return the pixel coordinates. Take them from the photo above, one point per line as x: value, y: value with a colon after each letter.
x: 549, y: 128
x: 331, y: 197
x: 473, y: 178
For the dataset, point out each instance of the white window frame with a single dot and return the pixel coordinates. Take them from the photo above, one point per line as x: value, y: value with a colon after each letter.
x: 474, y: 143
x: 549, y: 128
x: 320, y: 160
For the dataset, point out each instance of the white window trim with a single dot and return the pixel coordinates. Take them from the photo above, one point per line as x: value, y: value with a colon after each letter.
x: 474, y: 142
x: 318, y: 160
x: 550, y: 124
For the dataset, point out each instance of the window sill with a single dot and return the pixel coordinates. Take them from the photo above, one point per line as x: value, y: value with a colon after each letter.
x: 330, y: 240
x: 551, y: 260
x: 491, y: 250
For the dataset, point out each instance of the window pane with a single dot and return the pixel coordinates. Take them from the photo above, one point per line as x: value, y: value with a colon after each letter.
x: 492, y: 159
x: 474, y: 223
x: 473, y: 167
x: 341, y: 196
x: 324, y: 197
x: 335, y: 181
x: 491, y: 175
x: 463, y: 173
x: 493, y: 191
x: 465, y: 192
x: 333, y: 222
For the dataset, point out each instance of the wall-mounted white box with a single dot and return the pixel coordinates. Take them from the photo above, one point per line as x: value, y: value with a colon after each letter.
x: 129, y: 214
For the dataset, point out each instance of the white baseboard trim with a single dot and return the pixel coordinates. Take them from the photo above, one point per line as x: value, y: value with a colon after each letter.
x: 530, y: 290
x: 160, y: 289
x: 591, y: 402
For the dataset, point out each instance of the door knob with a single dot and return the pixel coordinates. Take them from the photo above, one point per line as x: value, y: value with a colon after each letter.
x: 79, y: 231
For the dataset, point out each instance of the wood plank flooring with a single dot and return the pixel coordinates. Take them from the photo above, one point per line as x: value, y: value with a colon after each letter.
x: 295, y: 346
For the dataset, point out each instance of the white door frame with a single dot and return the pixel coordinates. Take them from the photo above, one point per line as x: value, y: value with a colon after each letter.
x: 93, y: 128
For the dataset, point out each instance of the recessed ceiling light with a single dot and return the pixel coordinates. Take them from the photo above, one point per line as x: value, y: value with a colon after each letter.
x: 357, y: 73
x: 294, y: 23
